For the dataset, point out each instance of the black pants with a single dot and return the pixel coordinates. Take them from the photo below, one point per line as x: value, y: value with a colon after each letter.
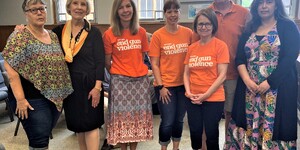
x: 207, y: 115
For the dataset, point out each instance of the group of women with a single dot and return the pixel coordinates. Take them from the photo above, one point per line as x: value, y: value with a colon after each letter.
x: 49, y: 73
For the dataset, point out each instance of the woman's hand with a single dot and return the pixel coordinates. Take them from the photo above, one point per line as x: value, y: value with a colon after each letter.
x: 150, y: 73
x: 252, y: 86
x: 20, y: 27
x: 199, y: 98
x: 263, y: 87
x: 22, y: 107
x: 95, y: 95
x: 165, y: 95
x: 190, y: 95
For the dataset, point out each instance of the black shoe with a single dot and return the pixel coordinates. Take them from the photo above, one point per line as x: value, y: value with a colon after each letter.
x: 106, y: 146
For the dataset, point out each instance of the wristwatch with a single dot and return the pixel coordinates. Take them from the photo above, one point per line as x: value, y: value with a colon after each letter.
x: 160, y: 87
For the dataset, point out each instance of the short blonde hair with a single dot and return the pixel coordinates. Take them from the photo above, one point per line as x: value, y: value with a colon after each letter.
x: 26, y: 3
x: 116, y: 22
x: 88, y: 7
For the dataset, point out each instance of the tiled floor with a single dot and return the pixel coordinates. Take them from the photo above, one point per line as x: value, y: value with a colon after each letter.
x: 66, y: 140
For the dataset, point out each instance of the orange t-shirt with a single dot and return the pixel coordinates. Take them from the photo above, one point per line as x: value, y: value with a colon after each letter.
x: 127, y: 52
x: 171, y: 49
x: 231, y: 26
x: 203, y: 63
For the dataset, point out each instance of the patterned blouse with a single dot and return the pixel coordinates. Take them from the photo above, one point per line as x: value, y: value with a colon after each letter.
x: 40, y: 63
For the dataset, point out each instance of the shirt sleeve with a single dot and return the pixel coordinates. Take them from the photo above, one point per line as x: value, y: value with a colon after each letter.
x: 14, y: 51
x: 240, y: 55
x: 289, y: 50
x: 99, y: 56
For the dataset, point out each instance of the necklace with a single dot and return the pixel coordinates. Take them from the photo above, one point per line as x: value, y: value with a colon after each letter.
x: 75, y: 40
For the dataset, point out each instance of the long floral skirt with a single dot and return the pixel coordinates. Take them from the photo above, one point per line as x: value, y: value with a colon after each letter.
x: 260, y: 114
x: 130, y: 110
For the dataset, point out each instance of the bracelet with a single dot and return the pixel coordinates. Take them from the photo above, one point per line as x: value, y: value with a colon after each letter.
x: 99, y: 89
x: 160, y: 87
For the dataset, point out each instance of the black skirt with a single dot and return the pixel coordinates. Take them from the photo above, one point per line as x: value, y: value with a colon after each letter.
x: 79, y: 113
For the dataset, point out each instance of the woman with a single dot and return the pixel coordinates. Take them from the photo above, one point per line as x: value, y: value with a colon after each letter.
x: 39, y: 77
x: 84, y: 53
x: 205, y: 70
x: 129, y: 108
x: 168, y: 48
x: 265, y: 110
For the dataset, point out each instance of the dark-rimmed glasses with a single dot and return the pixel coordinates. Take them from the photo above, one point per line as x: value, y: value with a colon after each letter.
x: 206, y: 25
x: 35, y: 10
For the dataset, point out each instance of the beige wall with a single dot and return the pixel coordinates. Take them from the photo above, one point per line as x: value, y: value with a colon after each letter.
x: 11, y: 12
x: 103, y: 8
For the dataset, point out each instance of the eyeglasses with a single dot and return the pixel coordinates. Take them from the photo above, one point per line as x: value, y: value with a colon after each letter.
x: 207, y: 25
x: 35, y: 10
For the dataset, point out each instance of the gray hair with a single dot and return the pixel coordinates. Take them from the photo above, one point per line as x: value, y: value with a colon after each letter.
x: 26, y: 3
x: 88, y: 7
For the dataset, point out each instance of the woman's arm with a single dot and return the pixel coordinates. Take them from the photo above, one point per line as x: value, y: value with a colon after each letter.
x: 108, y: 62
x: 222, y: 70
x: 186, y: 81
x: 164, y: 92
x: 289, y: 50
x: 99, y: 62
x: 241, y: 62
x: 99, y: 58
x: 156, y: 70
x: 16, y: 86
x: 251, y: 85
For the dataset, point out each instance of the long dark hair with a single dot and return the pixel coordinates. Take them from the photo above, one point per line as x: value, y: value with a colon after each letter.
x: 255, y: 21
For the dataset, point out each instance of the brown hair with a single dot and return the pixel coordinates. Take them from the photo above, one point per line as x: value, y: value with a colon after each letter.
x: 116, y: 25
x: 169, y: 4
x: 210, y: 15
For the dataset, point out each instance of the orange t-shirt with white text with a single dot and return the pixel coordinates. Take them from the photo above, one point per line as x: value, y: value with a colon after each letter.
x: 127, y: 52
x: 231, y: 26
x: 171, y: 49
x: 203, y: 63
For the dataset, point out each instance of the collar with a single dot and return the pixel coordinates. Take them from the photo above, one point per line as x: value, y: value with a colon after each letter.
x: 233, y: 8
x: 87, y: 25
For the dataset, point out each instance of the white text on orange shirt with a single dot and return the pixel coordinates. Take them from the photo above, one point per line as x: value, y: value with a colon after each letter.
x: 204, y: 61
x: 125, y: 44
x: 171, y: 48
